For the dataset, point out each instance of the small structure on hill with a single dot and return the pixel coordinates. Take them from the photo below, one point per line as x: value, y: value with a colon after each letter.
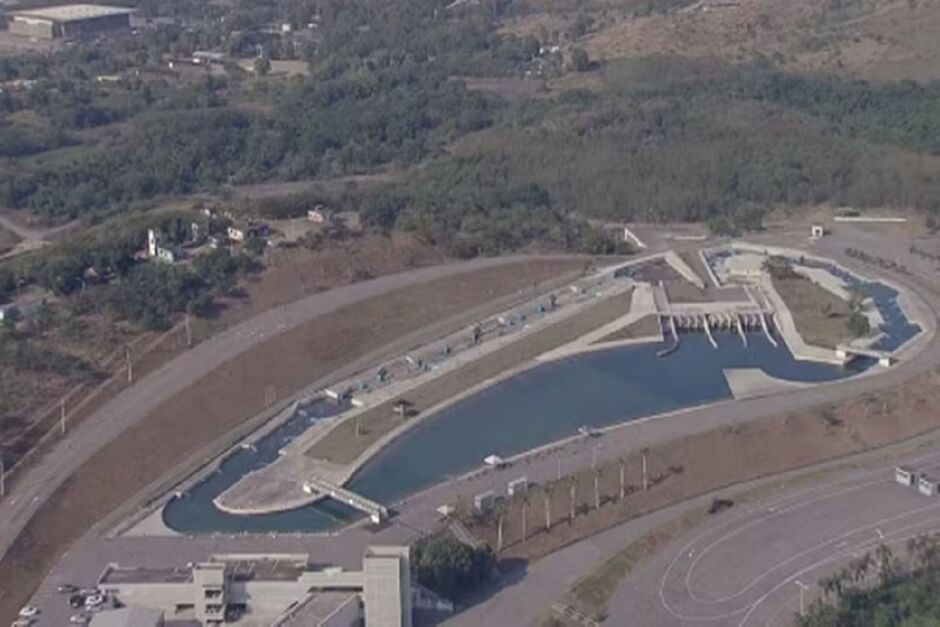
x: 156, y: 249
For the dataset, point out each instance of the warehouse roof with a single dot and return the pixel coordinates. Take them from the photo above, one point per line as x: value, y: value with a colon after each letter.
x: 128, y: 617
x: 72, y: 12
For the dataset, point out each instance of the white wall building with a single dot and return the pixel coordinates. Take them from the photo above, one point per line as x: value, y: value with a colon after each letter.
x: 283, y: 588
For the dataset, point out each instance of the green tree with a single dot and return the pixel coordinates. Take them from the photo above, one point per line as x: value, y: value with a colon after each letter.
x: 262, y: 66
x: 580, y: 61
x: 858, y: 324
x: 449, y: 567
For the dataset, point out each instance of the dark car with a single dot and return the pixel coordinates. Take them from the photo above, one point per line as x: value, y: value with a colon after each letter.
x: 76, y: 601
x: 67, y: 588
x: 719, y: 505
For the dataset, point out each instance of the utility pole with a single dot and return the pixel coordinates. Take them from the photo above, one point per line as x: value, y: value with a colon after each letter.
x: 189, y: 331
x: 130, y: 366
x: 646, y: 484
x: 62, y: 418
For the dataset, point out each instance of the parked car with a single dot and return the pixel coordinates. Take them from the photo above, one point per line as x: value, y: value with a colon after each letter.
x: 77, y: 601
x: 67, y: 588
x: 79, y: 619
x: 94, y: 600
x: 719, y: 505
x: 22, y: 622
x: 29, y: 612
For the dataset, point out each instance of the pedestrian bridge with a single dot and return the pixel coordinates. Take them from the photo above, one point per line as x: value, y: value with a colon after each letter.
x: 845, y: 351
x: 376, y: 511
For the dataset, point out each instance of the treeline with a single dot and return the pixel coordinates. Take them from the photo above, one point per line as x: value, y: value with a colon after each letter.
x: 719, y: 144
x: 473, y: 207
x: 882, y: 590
x: 101, y: 271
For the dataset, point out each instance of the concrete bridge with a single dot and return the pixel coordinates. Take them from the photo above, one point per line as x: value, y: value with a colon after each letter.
x: 845, y: 351
x: 376, y: 511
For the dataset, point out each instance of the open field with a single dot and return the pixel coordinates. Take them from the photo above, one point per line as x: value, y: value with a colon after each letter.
x: 220, y: 401
x: 646, y: 326
x: 820, y: 316
x: 877, y: 39
x: 342, y: 445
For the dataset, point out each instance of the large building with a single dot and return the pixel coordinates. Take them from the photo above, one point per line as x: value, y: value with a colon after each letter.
x: 69, y: 21
x: 281, y: 589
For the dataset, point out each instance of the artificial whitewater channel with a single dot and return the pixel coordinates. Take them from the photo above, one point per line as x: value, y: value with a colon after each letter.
x: 546, y: 403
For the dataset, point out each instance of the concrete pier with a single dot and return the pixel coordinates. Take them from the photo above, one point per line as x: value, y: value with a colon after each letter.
x: 675, y: 338
x: 740, y: 327
x: 770, y: 338
x: 708, y: 332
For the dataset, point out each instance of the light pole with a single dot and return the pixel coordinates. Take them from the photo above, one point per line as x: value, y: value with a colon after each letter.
x: 803, y: 588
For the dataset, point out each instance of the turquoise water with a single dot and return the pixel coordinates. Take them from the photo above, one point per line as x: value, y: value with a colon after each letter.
x: 541, y: 405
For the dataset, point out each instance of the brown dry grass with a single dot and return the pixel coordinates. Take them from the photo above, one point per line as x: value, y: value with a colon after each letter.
x: 878, y: 39
x: 819, y: 315
x: 229, y: 396
x: 646, y: 326
x: 29, y: 404
x: 343, y: 445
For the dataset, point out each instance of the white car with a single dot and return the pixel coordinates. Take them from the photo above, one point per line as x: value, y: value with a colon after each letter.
x: 79, y: 619
x: 94, y: 600
x: 22, y: 622
x: 29, y: 612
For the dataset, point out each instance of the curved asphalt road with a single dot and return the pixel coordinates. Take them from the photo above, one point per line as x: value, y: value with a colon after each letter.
x: 41, y: 479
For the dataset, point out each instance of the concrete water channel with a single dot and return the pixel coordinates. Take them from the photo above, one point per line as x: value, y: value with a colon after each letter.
x: 546, y: 403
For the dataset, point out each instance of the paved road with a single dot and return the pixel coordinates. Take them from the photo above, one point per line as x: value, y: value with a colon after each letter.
x: 41, y: 480
x: 746, y: 568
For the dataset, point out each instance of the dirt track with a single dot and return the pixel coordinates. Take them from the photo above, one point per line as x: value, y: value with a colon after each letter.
x: 211, y: 389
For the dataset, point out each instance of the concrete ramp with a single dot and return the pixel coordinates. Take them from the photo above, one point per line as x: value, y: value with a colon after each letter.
x: 685, y: 270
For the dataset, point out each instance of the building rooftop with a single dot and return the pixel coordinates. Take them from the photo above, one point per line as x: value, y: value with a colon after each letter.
x: 118, y: 575
x: 318, y: 607
x: 264, y: 569
x: 128, y: 617
x: 72, y: 12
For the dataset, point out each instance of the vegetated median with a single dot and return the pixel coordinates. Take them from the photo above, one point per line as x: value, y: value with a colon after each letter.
x: 231, y: 394
x: 352, y: 437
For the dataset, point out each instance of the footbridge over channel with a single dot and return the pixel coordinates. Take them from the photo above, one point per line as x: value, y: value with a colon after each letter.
x: 376, y: 511
x: 846, y: 351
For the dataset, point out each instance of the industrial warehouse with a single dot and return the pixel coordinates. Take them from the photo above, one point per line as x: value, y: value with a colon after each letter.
x: 69, y: 21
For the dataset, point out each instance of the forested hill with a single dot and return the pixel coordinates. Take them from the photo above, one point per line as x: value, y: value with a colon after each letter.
x: 392, y: 84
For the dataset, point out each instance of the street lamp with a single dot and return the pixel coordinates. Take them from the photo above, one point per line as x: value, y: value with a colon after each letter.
x: 803, y: 588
